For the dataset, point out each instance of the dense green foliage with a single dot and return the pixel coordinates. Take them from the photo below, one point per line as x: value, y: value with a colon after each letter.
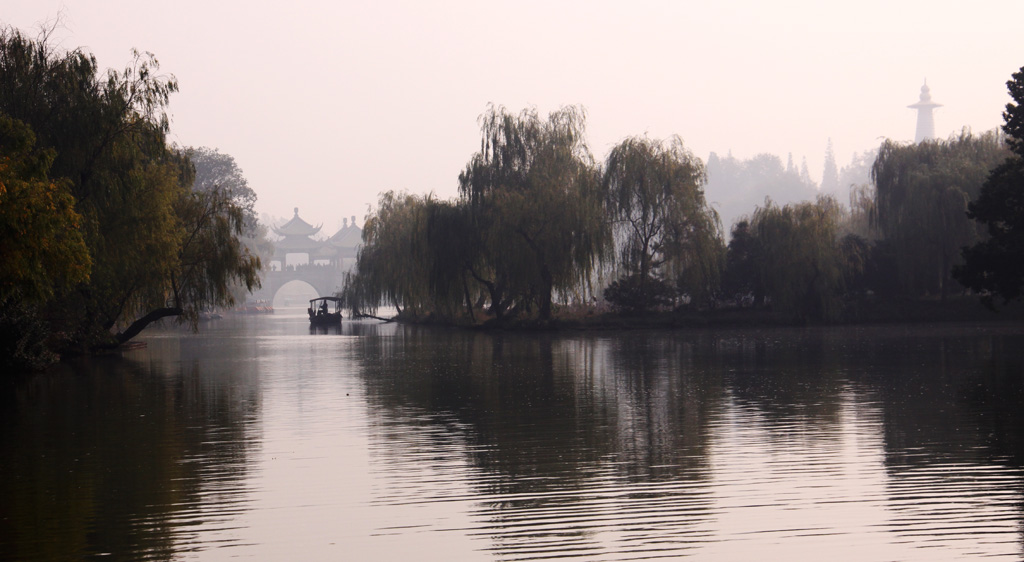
x: 536, y: 223
x: 922, y: 194
x: 534, y: 196
x: 664, y: 228
x: 391, y: 260
x: 800, y: 261
x: 995, y: 266
x: 43, y: 252
x: 42, y: 255
x: 156, y: 247
x: 419, y: 255
x: 635, y: 293
x: 528, y: 225
x: 740, y: 276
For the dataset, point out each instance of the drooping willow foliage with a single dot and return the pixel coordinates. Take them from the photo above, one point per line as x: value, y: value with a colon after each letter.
x: 664, y: 226
x: 537, y: 222
x: 156, y: 248
x: 534, y: 195
x: 922, y: 192
x: 528, y: 224
x: 800, y: 260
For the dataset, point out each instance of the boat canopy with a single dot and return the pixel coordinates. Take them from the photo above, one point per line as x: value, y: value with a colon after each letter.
x: 328, y: 299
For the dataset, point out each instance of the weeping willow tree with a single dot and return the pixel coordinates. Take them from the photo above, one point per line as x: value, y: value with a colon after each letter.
x: 157, y: 248
x: 218, y: 172
x: 534, y: 198
x: 664, y: 227
x: 43, y: 253
x: 922, y: 192
x: 417, y: 256
x: 799, y: 258
x: 390, y: 267
x: 455, y: 253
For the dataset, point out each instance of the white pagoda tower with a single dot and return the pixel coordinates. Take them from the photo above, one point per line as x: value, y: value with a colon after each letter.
x: 925, y: 121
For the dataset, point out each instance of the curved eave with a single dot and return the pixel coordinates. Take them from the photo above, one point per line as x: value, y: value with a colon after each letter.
x: 289, y: 229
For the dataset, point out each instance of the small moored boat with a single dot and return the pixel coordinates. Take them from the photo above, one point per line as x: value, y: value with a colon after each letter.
x: 321, y: 313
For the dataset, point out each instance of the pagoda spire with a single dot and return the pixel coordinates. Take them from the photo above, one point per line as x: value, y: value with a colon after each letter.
x: 925, y: 121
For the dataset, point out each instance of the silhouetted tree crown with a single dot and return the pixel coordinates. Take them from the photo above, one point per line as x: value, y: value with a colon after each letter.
x: 994, y: 267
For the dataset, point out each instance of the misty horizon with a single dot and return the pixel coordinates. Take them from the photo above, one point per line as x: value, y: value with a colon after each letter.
x: 348, y: 101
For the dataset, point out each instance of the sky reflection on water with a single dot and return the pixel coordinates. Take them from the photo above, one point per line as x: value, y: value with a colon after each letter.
x: 258, y: 439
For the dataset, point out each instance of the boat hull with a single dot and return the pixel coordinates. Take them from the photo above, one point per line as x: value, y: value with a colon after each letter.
x: 328, y: 319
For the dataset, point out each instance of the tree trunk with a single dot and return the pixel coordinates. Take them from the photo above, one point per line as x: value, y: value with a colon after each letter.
x: 469, y: 301
x: 495, y: 291
x: 140, y: 324
x: 544, y: 295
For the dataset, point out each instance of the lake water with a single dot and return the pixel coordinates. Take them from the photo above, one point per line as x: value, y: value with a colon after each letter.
x: 257, y: 439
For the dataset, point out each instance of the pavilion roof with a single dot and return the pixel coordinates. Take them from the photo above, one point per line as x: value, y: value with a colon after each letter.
x: 296, y: 227
x: 347, y: 237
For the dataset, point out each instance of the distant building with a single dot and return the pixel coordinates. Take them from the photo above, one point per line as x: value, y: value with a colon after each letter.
x: 341, y: 248
x: 297, y: 238
x: 925, y: 120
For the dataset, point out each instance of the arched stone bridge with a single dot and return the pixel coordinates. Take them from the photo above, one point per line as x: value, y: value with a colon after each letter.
x: 326, y: 261
x: 325, y: 280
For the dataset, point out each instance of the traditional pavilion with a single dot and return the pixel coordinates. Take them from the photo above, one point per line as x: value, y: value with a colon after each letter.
x: 925, y: 121
x: 296, y: 235
x: 341, y: 248
x: 296, y: 238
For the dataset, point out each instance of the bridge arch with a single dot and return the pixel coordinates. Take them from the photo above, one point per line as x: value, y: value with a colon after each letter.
x: 288, y: 294
x: 326, y: 280
x: 326, y: 261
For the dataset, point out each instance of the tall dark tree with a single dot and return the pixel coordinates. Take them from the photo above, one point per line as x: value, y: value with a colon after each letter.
x: 391, y: 266
x: 535, y: 199
x: 741, y: 275
x: 800, y: 260
x: 219, y: 172
x: 43, y: 252
x: 418, y: 255
x: 157, y: 248
x: 922, y: 191
x: 994, y: 267
x: 665, y: 228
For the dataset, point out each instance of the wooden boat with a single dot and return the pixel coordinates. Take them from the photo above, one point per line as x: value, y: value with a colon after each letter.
x: 321, y: 313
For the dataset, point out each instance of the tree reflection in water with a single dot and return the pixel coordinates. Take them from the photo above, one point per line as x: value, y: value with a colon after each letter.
x: 606, y: 445
x: 404, y: 442
x: 105, y: 458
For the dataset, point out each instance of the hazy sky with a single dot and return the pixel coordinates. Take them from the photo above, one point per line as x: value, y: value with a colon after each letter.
x: 325, y: 104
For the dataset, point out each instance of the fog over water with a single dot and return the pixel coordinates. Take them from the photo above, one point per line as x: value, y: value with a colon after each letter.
x: 326, y: 104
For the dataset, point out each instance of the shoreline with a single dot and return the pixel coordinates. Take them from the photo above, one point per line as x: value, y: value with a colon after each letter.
x: 874, y: 312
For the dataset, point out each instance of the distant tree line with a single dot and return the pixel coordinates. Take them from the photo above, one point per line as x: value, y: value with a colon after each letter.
x: 537, y: 223
x: 103, y: 227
